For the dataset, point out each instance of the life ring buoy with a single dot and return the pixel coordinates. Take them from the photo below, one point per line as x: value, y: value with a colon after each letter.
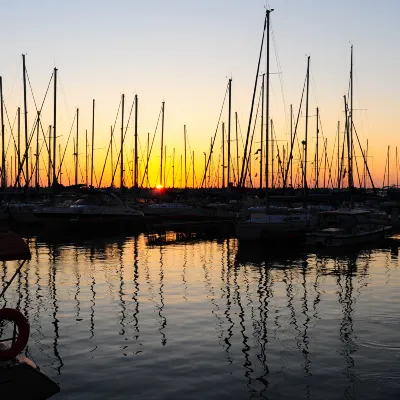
x: 12, y: 315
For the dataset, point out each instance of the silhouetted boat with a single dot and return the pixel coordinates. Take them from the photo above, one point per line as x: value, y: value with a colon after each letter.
x: 345, y: 227
x: 20, y: 377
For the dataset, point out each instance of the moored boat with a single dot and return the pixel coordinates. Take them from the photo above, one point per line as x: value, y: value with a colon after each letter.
x: 347, y: 227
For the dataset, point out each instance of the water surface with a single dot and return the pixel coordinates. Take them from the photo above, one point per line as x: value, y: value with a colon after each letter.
x: 122, y: 319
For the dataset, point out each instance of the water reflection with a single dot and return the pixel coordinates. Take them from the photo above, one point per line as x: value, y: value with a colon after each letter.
x: 250, y: 323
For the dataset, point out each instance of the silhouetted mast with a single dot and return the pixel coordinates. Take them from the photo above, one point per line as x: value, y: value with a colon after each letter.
x: 162, y: 142
x: 121, y: 185
x: 184, y: 138
x: 229, y: 129
x: 77, y: 146
x: 91, y: 167
x: 37, y: 175
x: 3, y: 154
x: 262, y: 130
x: 317, y: 155
x: 54, y: 133
x: 25, y: 125
x: 237, y: 151
x: 306, y: 135
x: 135, y: 163
x: 19, y: 146
x: 49, y: 162
x: 223, y: 155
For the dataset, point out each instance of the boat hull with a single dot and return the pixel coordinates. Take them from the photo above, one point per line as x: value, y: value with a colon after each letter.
x: 322, y: 239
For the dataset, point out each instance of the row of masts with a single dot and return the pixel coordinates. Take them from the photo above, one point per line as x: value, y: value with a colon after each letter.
x: 275, y: 167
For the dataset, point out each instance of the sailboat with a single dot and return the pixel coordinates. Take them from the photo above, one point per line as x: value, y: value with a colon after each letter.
x: 269, y: 226
x: 348, y: 226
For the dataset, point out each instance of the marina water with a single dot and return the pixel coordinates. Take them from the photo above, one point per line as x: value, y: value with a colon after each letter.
x: 123, y: 318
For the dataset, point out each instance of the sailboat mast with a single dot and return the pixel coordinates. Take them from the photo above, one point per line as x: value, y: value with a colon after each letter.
x: 112, y: 158
x: 306, y: 135
x: 267, y: 112
x: 49, y: 162
x: 272, y: 155
x: 121, y: 184
x: 351, y: 121
x: 54, y: 133
x: 92, y: 164
x: 193, y: 172
x: 229, y: 129
x: 262, y: 131
x: 19, y: 146
x: 37, y: 176
x: 173, y: 168
x: 317, y: 157
x: 162, y: 142
x: 3, y: 153
x: 135, y: 163
x: 244, y: 160
x: 223, y: 155
x: 338, y: 155
x: 291, y: 145
x: 165, y: 163
x: 184, y: 139
x: 77, y: 146
x: 25, y: 125
x: 237, y: 152
x: 397, y: 170
x: 388, y: 166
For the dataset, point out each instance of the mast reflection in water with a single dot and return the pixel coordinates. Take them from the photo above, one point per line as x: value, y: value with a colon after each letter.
x: 125, y: 319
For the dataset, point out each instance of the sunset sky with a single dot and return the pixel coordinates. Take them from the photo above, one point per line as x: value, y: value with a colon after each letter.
x: 183, y: 52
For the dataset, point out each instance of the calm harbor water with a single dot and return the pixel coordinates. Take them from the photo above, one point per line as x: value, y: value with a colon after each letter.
x: 123, y: 319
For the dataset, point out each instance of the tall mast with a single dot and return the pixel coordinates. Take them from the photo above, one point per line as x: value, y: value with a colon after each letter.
x: 272, y: 155
x: 325, y: 161
x: 193, y: 172
x: 184, y: 139
x: 91, y: 161
x: 162, y: 143
x: 262, y: 131
x: 135, y: 163
x: 19, y: 146
x: 54, y: 133
x: 244, y: 161
x: 165, y: 163
x: 338, y: 154
x: 291, y: 145
x: 351, y: 121
x: 49, y: 165
x: 317, y: 157
x: 173, y: 168
x: 237, y: 151
x: 77, y: 147
x: 267, y: 113
x: 86, y: 159
x: 37, y: 175
x: 306, y: 136
x: 121, y: 185
x: 229, y: 129
x: 388, y: 166
x: 3, y: 152
x: 223, y: 155
x: 148, y: 155
x: 26, y: 125
x: 112, y: 158
x: 397, y: 170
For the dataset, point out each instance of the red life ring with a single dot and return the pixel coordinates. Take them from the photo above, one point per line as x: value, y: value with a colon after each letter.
x: 10, y: 314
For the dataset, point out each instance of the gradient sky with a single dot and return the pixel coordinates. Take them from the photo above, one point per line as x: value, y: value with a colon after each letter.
x: 183, y: 52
